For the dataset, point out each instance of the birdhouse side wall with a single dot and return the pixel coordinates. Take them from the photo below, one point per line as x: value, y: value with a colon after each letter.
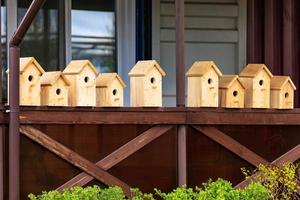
x: 235, y: 96
x: 137, y: 91
x: 261, y: 92
x: 210, y: 89
x: 275, y: 99
x: 102, y: 98
x: 248, y: 95
x: 194, y: 91
x: 222, y: 97
x: 30, y: 86
x: 153, y: 89
x: 86, y: 88
x: 72, y: 97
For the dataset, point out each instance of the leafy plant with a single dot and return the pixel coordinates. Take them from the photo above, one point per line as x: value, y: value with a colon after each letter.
x: 181, y: 193
x: 282, y: 181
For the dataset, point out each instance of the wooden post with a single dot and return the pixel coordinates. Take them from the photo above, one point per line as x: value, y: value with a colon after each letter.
x: 182, y: 159
x: 180, y: 67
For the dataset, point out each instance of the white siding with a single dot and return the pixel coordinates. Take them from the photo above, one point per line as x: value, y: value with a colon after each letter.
x: 214, y: 30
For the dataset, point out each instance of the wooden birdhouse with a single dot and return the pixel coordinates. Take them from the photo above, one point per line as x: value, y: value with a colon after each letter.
x: 82, y: 77
x: 282, y: 92
x: 109, y: 90
x: 54, y: 89
x: 30, y: 83
x: 146, y: 84
x: 256, y: 78
x: 231, y: 92
x: 203, y: 84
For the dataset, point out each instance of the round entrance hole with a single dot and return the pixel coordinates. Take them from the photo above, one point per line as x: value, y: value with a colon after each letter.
x: 286, y: 95
x: 261, y: 82
x: 235, y: 93
x: 58, y: 91
x: 30, y: 78
x: 115, y: 92
x: 86, y: 79
x: 152, y: 80
x: 209, y: 81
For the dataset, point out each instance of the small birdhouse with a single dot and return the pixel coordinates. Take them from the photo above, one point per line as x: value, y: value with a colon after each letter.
x: 30, y: 83
x: 82, y: 77
x: 282, y: 92
x: 146, y: 84
x: 256, y: 78
x: 203, y: 84
x: 231, y: 92
x: 109, y: 90
x: 54, y: 89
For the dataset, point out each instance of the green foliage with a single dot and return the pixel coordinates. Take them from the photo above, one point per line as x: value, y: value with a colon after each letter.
x: 181, y: 193
x: 282, y: 181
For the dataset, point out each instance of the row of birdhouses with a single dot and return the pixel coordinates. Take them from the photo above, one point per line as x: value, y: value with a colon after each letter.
x: 255, y: 87
x: 81, y: 85
x: 78, y: 85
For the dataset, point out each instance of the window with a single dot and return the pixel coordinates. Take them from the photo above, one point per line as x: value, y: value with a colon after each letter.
x: 4, y: 49
x: 93, y: 33
x: 41, y: 40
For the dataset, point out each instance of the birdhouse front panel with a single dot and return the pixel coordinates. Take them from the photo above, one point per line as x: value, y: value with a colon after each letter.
x: 111, y: 95
x: 153, y: 88
x: 283, y: 98
x: 209, y: 89
x: 56, y: 94
x: 30, y: 86
x: 235, y: 95
x: 261, y: 90
x: 86, y: 88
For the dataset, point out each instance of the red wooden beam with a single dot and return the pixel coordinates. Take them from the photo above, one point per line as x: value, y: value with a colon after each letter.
x: 120, y: 154
x: 232, y: 145
x: 73, y: 158
x: 290, y: 156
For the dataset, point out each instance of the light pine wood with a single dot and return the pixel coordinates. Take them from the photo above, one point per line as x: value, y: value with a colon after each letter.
x: 231, y: 92
x: 282, y: 92
x: 30, y: 83
x: 203, y: 84
x: 146, y: 84
x: 54, y: 89
x: 81, y: 75
x: 256, y: 79
x: 109, y: 90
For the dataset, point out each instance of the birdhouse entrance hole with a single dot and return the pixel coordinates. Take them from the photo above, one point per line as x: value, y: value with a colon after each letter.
x: 261, y: 82
x: 86, y: 79
x: 286, y: 95
x: 209, y: 81
x: 30, y: 78
x: 114, y: 92
x: 152, y: 80
x: 235, y: 93
x: 58, y: 91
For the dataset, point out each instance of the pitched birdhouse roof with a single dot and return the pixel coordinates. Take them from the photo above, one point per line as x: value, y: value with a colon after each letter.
x: 252, y: 70
x: 226, y: 81
x: 27, y: 61
x: 105, y: 79
x: 277, y: 82
x: 76, y: 67
x: 199, y: 68
x: 141, y: 68
x: 49, y: 78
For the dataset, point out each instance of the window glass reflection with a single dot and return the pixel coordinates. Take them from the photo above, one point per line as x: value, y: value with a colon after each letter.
x: 93, y: 33
x: 41, y: 40
x: 4, y: 49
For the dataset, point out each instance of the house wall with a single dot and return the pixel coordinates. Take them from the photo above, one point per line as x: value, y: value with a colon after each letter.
x: 214, y: 30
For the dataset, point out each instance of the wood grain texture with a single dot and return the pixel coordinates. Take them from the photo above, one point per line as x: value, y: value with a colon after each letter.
x: 232, y: 145
x: 73, y: 158
x: 119, y: 155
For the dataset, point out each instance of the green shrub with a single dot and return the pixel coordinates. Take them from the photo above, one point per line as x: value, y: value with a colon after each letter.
x: 282, y: 181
